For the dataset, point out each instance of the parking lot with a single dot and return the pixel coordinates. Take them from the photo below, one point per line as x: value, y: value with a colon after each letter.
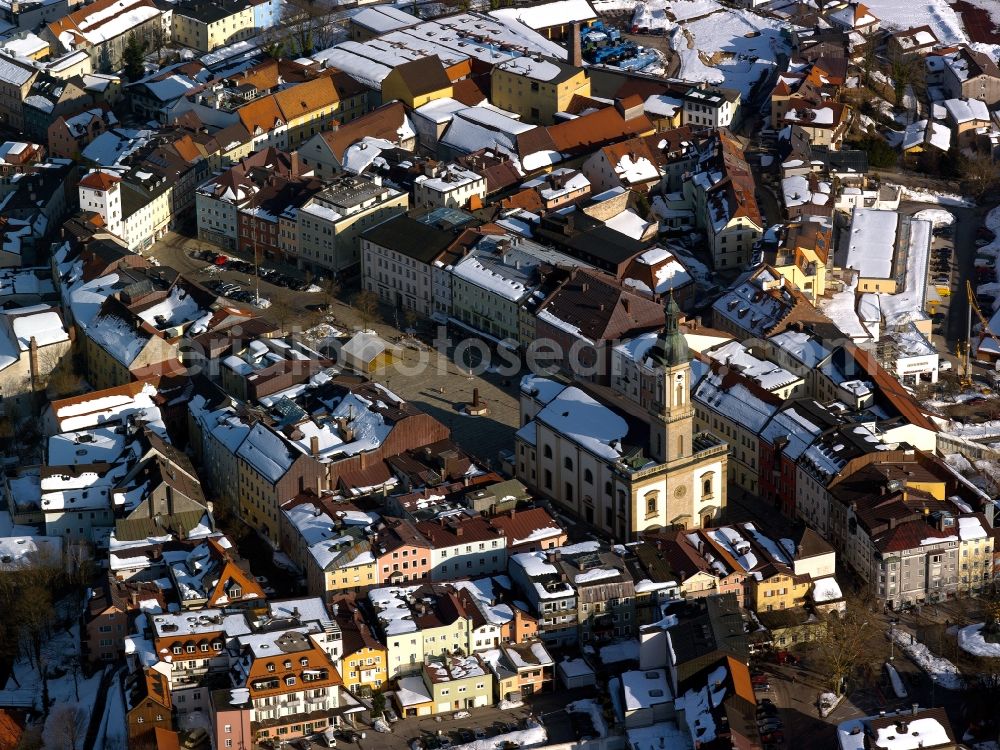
x: 449, y: 730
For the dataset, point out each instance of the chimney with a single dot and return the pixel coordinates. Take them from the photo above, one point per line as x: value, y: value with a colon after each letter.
x: 915, y: 708
x: 576, y: 53
x: 295, y: 163
x: 314, y: 446
x: 475, y: 397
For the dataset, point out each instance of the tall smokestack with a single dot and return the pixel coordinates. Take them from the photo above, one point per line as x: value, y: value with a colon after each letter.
x: 576, y: 53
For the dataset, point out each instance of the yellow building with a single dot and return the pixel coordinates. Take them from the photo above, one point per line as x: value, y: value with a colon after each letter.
x: 537, y: 88
x: 363, y: 663
x: 291, y: 116
x: 975, y: 553
x: 269, y: 472
x: 777, y: 589
x: 207, y: 25
x: 417, y: 82
x: 444, y: 626
x: 804, y: 256
x: 337, y: 559
x: 119, y: 345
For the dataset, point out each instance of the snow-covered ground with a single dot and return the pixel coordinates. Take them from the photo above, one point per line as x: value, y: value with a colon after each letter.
x: 905, y: 14
x: 926, y: 196
x: 732, y: 48
x: 60, y: 651
x: 112, y: 733
x: 897, y: 682
x: 535, y: 735
x: 943, y: 672
x: 970, y: 639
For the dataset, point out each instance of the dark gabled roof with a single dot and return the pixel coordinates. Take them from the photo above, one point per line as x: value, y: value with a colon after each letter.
x: 842, y: 161
x: 133, y: 529
x: 783, y: 618
x: 415, y: 239
x: 601, y: 307
x: 423, y: 76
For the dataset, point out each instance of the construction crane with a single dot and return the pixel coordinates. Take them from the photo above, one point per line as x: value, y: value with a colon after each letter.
x: 984, y: 327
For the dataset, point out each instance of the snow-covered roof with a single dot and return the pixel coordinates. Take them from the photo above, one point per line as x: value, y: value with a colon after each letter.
x: 736, y: 356
x: 547, y: 15
x: 734, y: 401
x: 266, y: 452
x: 966, y: 110
x: 580, y: 418
x: 644, y: 689
x: 826, y: 590
x: 872, y: 242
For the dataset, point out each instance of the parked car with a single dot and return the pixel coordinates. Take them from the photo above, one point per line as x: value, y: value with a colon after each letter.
x: 945, y: 231
x: 479, y: 733
x: 775, y: 736
x: 763, y: 687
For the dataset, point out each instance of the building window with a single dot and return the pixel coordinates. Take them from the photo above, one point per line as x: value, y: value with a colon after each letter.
x: 547, y: 451
x: 568, y: 463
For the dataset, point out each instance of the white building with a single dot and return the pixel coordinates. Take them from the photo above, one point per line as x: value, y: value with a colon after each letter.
x: 447, y: 185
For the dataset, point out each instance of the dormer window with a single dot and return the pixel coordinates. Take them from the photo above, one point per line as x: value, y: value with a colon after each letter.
x: 270, y: 667
x: 290, y: 680
x: 190, y: 649
x: 288, y: 664
x: 234, y: 591
x: 177, y: 649
x: 304, y: 662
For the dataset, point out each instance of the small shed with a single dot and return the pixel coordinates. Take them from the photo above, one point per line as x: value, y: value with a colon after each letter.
x: 366, y: 353
x: 576, y: 673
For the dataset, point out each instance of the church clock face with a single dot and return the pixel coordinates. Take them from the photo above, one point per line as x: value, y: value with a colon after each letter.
x: 680, y: 492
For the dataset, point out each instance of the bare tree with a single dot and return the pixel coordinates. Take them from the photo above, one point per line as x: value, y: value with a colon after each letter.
x: 850, y: 643
x: 982, y: 175
x: 366, y: 303
x: 66, y: 729
x: 34, y: 613
x: 904, y: 72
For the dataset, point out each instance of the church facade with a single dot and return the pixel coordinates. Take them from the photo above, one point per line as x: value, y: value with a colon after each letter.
x: 625, y: 464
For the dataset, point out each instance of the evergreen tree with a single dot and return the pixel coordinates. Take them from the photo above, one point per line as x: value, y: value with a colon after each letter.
x: 132, y: 58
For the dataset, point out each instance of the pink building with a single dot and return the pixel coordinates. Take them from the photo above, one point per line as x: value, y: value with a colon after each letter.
x: 231, y: 719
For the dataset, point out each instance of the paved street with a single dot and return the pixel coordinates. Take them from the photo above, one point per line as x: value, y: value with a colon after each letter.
x: 431, y: 382
x: 548, y: 707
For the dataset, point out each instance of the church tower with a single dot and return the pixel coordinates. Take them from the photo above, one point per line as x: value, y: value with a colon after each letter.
x: 672, y: 423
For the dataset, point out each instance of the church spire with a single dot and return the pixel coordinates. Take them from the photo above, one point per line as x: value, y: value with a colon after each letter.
x: 671, y: 348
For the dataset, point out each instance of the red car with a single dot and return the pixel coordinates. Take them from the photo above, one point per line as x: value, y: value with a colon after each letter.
x: 775, y: 736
